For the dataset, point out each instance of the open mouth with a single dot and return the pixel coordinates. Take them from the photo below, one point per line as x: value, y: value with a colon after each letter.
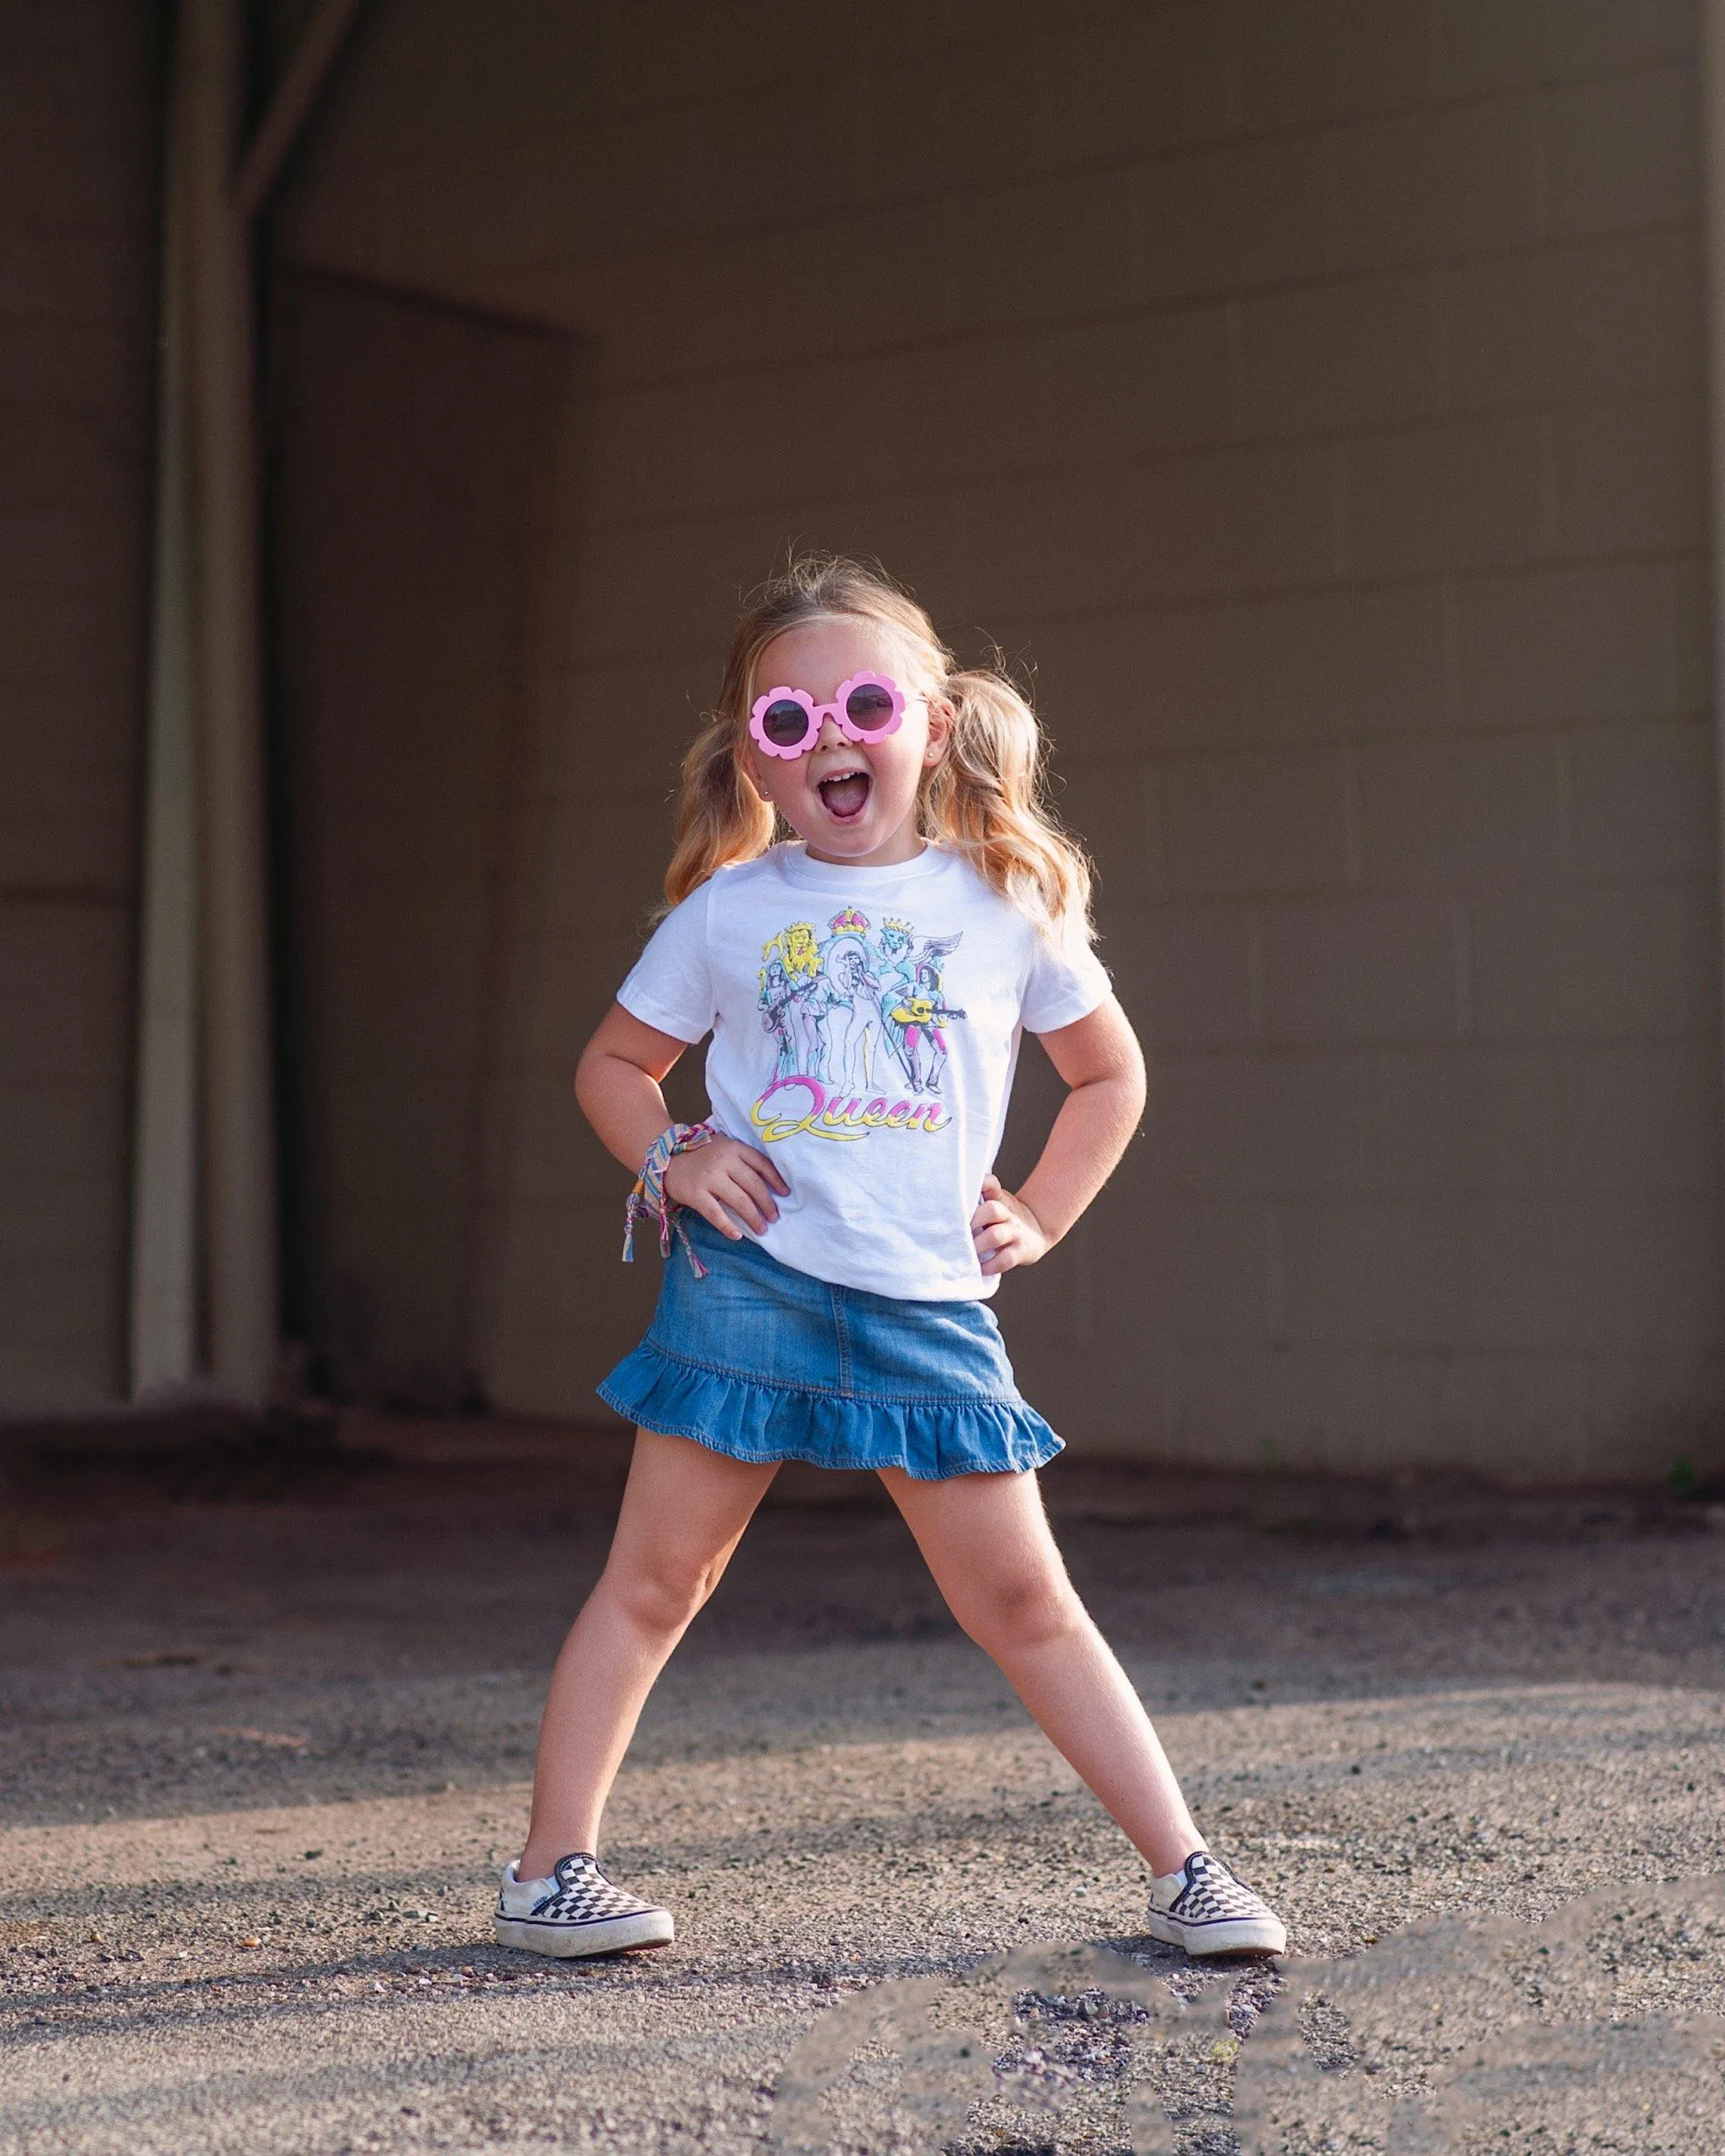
x: 844, y: 794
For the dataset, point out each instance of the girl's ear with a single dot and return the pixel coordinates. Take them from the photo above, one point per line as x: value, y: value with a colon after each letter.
x: 941, y: 720
x: 751, y: 771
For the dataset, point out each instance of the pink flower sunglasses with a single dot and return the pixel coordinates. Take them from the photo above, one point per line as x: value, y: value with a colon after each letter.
x: 786, y: 722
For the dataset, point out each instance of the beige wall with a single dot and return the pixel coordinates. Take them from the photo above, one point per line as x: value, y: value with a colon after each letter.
x: 78, y: 128
x: 1310, y: 390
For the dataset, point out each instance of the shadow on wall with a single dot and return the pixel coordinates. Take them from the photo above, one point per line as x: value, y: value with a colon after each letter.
x: 415, y: 447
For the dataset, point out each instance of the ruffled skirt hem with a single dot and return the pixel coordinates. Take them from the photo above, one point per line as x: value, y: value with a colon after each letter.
x: 930, y: 1439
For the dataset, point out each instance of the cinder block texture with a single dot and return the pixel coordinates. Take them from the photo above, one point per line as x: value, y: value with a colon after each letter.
x: 1361, y: 969
x: 1309, y: 393
x: 1255, y: 823
x: 79, y: 122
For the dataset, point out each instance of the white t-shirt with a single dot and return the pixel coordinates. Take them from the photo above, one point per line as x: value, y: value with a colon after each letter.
x: 865, y: 1028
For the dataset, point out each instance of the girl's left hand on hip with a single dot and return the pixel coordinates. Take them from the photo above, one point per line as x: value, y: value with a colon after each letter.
x: 1005, y: 1231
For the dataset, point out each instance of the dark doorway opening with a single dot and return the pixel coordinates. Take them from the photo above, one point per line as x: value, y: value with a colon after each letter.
x: 411, y: 448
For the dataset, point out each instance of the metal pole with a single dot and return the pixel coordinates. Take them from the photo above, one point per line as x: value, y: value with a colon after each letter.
x: 239, y: 1132
x: 163, y: 1330
x: 1713, y: 274
x: 204, y: 1108
x: 290, y: 104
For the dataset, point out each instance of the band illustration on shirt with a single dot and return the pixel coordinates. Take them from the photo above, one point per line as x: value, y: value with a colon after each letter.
x: 859, y: 1019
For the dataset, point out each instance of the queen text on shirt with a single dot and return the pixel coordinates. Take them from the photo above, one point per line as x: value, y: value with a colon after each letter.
x: 859, y: 1018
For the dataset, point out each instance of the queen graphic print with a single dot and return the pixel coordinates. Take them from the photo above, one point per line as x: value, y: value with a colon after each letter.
x: 858, y: 1017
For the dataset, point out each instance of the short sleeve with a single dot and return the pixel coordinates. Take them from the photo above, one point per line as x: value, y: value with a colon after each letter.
x: 1064, y: 985
x: 670, y: 985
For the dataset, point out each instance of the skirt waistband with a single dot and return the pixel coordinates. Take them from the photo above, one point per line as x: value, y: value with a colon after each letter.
x: 753, y: 1317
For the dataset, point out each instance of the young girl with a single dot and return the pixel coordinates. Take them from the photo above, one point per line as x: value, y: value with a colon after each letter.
x: 833, y: 1233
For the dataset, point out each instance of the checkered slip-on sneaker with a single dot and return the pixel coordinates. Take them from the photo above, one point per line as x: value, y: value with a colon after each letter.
x: 1204, y: 1908
x: 577, y: 1911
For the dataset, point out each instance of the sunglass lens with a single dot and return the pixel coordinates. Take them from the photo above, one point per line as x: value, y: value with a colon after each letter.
x: 869, y: 708
x: 784, y: 723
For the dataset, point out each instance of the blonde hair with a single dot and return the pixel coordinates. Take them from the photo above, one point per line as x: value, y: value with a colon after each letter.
x: 985, y: 798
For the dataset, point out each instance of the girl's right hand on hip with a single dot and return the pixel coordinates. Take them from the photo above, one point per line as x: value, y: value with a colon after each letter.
x: 725, y: 1177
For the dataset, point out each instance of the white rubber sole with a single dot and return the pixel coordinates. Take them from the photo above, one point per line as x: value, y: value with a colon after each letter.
x: 1244, y: 1935
x: 569, y: 1942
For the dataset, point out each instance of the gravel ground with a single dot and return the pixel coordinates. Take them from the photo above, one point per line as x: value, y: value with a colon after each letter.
x: 269, y: 1724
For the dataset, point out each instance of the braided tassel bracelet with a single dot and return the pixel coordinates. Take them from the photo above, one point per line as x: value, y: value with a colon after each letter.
x: 648, y: 1199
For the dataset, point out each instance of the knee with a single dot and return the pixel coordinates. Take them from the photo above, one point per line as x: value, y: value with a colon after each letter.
x: 1020, y: 1611
x: 661, y: 1595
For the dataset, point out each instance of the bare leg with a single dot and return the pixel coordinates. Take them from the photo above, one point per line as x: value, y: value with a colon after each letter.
x: 988, y: 1542
x: 683, y: 1513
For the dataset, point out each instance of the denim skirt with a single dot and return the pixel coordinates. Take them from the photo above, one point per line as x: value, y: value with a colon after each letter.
x: 765, y: 1362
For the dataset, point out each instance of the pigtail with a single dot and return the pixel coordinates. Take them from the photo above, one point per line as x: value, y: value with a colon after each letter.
x: 986, y: 799
x: 720, y: 817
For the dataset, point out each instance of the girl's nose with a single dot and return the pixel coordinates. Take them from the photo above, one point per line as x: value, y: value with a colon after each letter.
x: 831, y: 736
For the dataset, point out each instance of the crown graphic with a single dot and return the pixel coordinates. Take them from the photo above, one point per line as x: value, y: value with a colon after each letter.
x: 891, y: 921
x: 849, y: 923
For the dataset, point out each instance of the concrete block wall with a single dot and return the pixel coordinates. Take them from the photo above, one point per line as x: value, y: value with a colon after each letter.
x: 1310, y: 391
x: 80, y: 90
